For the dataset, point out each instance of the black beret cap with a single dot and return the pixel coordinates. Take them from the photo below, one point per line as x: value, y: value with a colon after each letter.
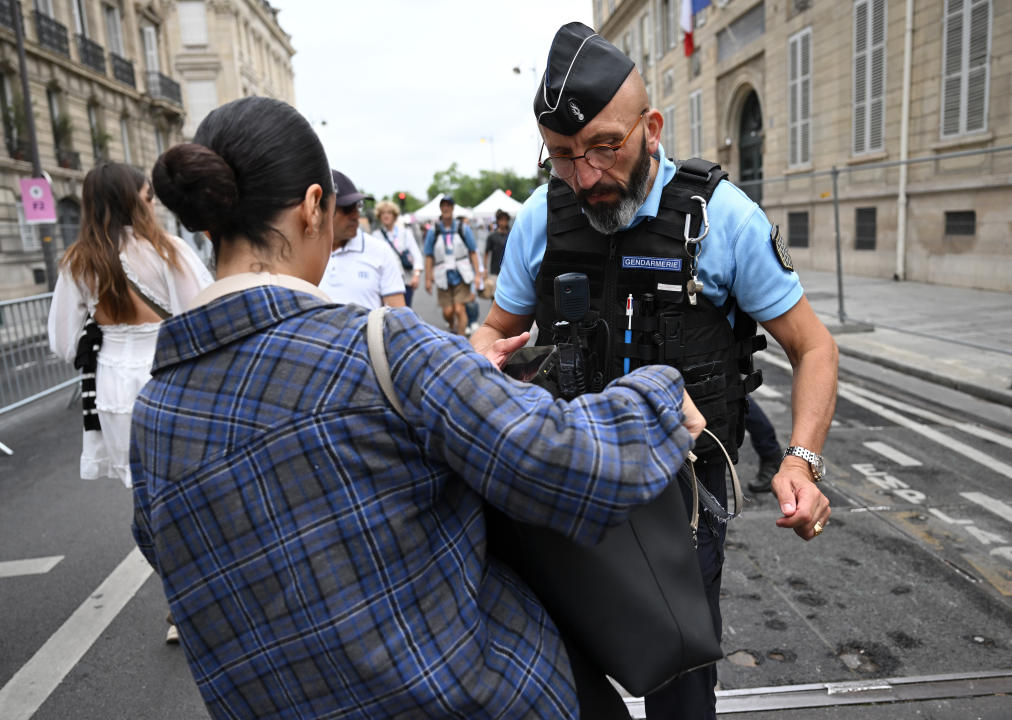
x: 584, y: 72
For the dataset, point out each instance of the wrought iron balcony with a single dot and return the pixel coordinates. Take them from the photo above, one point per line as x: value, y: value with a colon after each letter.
x: 52, y: 34
x: 92, y: 54
x: 7, y: 13
x: 164, y: 88
x: 122, y: 69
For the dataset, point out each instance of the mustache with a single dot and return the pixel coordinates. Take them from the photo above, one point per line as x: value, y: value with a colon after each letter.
x: 600, y: 187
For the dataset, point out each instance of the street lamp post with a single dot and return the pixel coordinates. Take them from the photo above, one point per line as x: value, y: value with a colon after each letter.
x: 45, y: 230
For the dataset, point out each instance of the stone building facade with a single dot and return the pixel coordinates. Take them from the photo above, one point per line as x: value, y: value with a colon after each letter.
x: 118, y: 80
x: 903, y: 104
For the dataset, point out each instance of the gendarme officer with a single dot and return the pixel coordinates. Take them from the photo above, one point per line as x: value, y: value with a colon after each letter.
x: 695, y: 261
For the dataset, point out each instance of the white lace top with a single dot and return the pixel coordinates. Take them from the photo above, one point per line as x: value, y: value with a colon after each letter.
x: 172, y: 288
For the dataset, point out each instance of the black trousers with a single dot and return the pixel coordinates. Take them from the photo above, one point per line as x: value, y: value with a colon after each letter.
x: 690, y: 696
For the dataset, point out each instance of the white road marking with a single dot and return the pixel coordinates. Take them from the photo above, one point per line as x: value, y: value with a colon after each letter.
x: 999, y: 508
x: 968, y: 428
x: 929, y: 432
x: 892, y: 453
x: 856, y: 396
x: 35, y: 681
x: 35, y: 566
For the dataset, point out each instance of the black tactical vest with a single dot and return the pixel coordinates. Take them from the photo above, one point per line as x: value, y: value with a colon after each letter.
x: 651, y: 259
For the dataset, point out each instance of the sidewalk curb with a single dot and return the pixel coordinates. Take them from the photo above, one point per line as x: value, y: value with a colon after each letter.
x: 979, y: 391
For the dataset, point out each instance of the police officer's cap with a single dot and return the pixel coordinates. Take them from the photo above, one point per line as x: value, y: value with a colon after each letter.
x: 584, y: 72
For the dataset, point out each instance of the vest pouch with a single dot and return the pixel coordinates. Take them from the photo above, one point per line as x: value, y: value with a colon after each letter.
x: 670, y: 328
x: 707, y: 386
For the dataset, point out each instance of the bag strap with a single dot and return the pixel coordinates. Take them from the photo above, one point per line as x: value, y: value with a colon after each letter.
x: 158, y: 309
x: 378, y: 357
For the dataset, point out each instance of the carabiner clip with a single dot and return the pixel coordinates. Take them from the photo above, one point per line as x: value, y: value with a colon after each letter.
x: 688, y: 219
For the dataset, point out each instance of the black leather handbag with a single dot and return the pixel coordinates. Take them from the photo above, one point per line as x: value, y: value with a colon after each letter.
x: 634, y: 603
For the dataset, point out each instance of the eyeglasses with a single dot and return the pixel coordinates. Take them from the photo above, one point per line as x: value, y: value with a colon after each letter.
x: 600, y: 157
x: 353, y: 208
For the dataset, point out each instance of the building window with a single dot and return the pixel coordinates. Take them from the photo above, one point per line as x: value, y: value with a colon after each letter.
x: 797, y: 229
x: 161, y: 142
x: 80, y: 17
x: 696, y: 123
x: 668, y: 82
x: 124, y: 133
x: 99, y: 139
x: 669, y: 23
x: 39, y: 276
x: 113, y: 29
x: 13, y: 116
x: 799, y: 120
x: 741, y: 32
x: 45, y: 7
x: 149, y: 41
x: 192, y: 22
x: 961, y: 222
x: 598, y: 12
x: 201, y: 99
x: 864, y: 228
x: 869, y: 75
x: 966, y: 63
x: 669, y: 131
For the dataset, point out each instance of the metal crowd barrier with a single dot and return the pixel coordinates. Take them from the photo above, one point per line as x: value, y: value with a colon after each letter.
x: 28, y: 370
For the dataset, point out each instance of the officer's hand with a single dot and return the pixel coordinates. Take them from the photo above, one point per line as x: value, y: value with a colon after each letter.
x: 801, y: 501
x: 694, y: 421
x: 428, y: 286
x: 500, y: 350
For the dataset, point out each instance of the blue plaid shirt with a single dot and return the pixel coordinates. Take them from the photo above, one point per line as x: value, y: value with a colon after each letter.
x: 322, y: 558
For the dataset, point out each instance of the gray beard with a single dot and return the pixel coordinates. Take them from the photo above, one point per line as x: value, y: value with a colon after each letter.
x: 608, y: 219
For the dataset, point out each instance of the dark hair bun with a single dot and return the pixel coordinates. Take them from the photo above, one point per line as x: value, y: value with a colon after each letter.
x: 197, y: 184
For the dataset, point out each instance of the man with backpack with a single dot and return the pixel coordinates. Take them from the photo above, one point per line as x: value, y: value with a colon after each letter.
x: 451, y: 262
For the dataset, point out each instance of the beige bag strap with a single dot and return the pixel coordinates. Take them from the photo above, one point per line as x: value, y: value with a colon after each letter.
x: 378, y: 357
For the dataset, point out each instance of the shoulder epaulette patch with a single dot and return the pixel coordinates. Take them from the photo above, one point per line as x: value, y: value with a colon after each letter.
x: 780, y: 247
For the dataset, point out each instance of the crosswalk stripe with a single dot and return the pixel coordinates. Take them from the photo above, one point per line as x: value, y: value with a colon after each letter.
x: 35, y: 681
x: 1002, y: 510
x: 892, y: 453
x: 34, y: 566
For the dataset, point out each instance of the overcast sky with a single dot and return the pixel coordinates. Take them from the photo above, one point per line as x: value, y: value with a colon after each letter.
x: 407, y: 87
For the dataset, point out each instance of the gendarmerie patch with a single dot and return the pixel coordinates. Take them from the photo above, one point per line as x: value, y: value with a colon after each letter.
x: 637, y: 262
x: 780, y: 248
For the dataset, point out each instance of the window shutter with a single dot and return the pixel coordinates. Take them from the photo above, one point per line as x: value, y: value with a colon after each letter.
x: 977, y: 67
x: 806, y: 92
x: 192, y: 22
x: 149, y: 34
x: 860, y: 76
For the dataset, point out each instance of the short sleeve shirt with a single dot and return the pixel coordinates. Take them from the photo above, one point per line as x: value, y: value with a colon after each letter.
x: 737, y: 256
x: 363, y: 272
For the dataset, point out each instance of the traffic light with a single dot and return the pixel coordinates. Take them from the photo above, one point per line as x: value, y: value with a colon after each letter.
x: 509, y: 193
x: 401, y: 197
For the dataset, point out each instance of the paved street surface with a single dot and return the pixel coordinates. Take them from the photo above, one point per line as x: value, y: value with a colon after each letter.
x: 912, y: 579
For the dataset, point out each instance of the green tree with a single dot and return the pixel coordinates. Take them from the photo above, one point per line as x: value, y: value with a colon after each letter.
x: 468, y: 190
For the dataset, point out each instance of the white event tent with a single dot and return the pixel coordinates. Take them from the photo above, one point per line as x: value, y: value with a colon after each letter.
x: 498, y: 200
x: 430, y: 210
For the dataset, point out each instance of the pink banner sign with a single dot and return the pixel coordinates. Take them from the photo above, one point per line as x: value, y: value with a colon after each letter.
x: 37, y: 199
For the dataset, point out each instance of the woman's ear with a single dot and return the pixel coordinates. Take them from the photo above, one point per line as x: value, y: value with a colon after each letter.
x: 311, y: 209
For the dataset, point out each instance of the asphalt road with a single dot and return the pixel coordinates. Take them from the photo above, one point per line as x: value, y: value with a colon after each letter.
x: 913, y: 577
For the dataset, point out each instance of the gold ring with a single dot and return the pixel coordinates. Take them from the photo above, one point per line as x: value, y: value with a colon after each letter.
x: 819, y: 528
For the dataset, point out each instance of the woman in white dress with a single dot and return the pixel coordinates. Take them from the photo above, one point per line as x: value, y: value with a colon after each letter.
x: 121, y: 255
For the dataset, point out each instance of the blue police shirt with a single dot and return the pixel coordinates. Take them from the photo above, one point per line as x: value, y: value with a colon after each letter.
x: 736, y: 256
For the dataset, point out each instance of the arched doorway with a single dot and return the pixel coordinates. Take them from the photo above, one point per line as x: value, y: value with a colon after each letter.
x: 750, y: 144
x: 68, y: 218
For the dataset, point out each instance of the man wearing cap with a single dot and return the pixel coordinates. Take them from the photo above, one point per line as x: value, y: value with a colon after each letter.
x: 451, y: 261
x: 362, y: 270
x: 614, y: 210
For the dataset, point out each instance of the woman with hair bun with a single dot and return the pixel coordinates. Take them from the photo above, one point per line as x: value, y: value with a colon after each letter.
x: 324, y: 555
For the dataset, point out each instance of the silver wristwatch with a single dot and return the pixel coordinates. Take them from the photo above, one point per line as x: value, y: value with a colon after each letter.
x: 814, y: 460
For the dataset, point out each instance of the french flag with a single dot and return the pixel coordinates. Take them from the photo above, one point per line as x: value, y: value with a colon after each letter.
x: 690, y: 8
